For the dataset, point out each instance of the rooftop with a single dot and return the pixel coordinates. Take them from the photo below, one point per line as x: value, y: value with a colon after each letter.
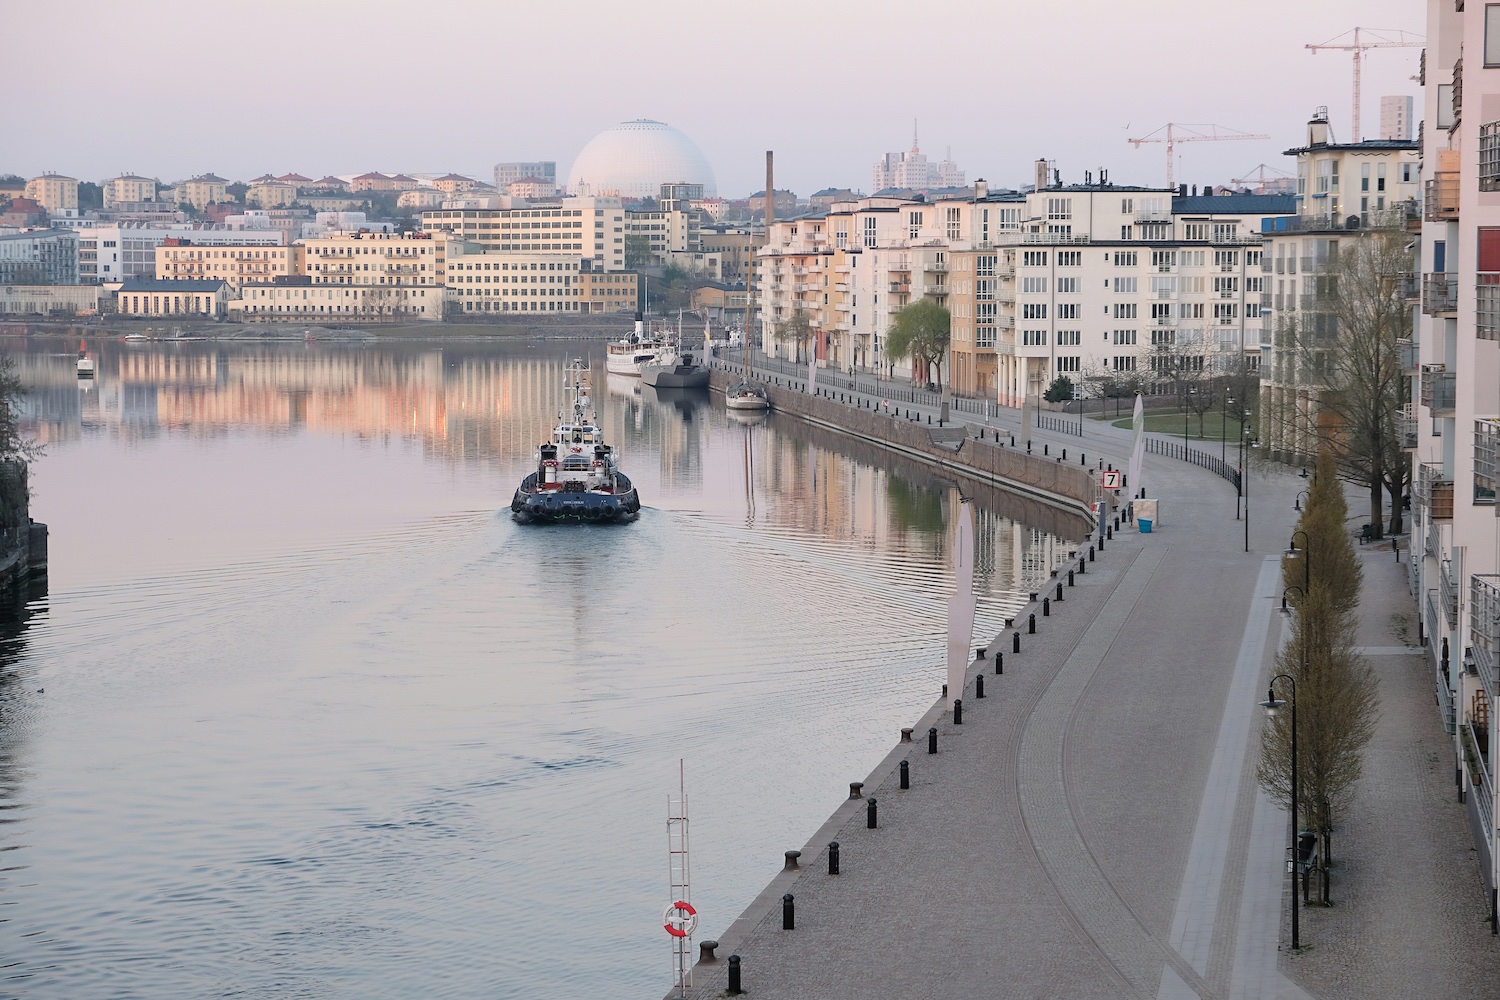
x: 1235, y: 204
x: 1367, y: 146
x: 163, y: 285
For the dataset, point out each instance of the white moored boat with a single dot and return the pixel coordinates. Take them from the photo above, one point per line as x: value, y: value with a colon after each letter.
x: 625, y: 357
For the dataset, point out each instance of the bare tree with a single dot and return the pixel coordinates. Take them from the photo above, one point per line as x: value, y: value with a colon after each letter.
x: 795, y: 329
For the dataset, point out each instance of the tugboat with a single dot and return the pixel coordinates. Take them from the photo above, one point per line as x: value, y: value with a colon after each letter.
x: 85, y: 366
x: 576, y: 478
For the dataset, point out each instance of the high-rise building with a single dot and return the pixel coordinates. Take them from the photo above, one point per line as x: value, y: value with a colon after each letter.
x: 1395, y: 117
x: 509, y: 173
x: 912, y: 171
x: 54, y: 192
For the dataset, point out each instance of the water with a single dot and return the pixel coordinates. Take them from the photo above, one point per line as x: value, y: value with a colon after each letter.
x: 305, y: 714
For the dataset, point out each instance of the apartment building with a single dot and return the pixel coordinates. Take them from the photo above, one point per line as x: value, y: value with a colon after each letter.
x: 509, y: 173
x: 663, y: 232
x: 373, y: 259
x: 1345, y: 191
x: 588, y: 226
x: 201, y: 191
x: 270, y: 193
x: 128, y: 189
x: 304, y: 303
x: 609, y: 291
x: 56, y: 193
x: 480, y: 279
x: 116, y: 251
x: 1453, y: 428
x: 39, y: 257
x: 209, y: 256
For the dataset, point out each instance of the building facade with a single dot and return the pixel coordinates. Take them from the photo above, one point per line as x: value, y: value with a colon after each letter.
x: 128, y: 189
x: 508, y: 173
x: 588, y: 226
x: 54, y: 192
x: 374, y: 259
x: 143, y: 297
x: 39, y: 257
x: 304, y: 302
x: 201, y: 191
x: 203, y: 257
x: 484, y: 280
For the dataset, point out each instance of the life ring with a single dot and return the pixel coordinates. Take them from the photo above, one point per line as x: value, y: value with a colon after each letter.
x: 680, y: 919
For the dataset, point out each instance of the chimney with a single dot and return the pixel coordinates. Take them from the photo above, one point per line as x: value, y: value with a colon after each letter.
x: 770, y: 194
x: 981, y: 190
x: 1182, y: 190
x: 1040, y: 175
x: 1317, y: 128
x: 1208, y: 190
x: 1195, y: 190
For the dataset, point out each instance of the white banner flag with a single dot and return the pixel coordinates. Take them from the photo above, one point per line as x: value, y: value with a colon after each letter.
x: 961, y: 604
x: 1138, y: 449
x: 812, y: 375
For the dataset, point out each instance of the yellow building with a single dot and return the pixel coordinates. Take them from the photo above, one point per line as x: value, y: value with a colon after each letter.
x: 300, y: 303
x: 127, y: 189
x: 480, y: 280
x: 195, y: 258
x: 201, y: 191
x: 271, y: 194
x: 983, y: 330
x: 609, y: 291
x: 150, y: 297
x: 374, y: 259
x: 54, y: 192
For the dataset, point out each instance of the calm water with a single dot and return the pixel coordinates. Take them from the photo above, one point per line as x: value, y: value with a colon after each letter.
x: 305, y: 714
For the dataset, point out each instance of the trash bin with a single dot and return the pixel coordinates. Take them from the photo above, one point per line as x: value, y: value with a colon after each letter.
x: 1145, y: 525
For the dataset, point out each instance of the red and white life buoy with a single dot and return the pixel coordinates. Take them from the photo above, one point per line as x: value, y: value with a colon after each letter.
x: 680, y: 919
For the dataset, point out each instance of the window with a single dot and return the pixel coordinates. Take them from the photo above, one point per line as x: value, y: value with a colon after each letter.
x: 1069, y: 364
x: 1162, y: 288
x: 1364, y: 177
x: 1067, y: 286
x: 1225, y: 259
x: 1254, y: 284
x: 1069, y: 258
x: 955, y: 223
x: 1059, y: 209
x: 870, y: 231
x: 1069, y: 338
x: 1163, y: 338
x: 1123, y: 337
x: 841, y: 239
x: 1163, y: 260
x: 1161, y: 310
x: 1380, y: 177
x: 984, y: 265
x: 1126, y: 286
x: 984, y: 336
x: 1226, y: 312
x: 1124, y: 364
x: 1127, y: 206
x: 1252, y: 310
x: 1190, y: 310
x: 1226, y: 286
x: 1034, y: 285
x: 1033, y: 338
x: 1034, y: 310
x: 1035, y: 258
x: 1226, y: 232
x: 1125, y: 258
x: 1492, y: 34
x: 1408, y: 173
x: 1252, y: 258
x: 913, y: 225
x: 1195, y: 230
x: 1067, y: 310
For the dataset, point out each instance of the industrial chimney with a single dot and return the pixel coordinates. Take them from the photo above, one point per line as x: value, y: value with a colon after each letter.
x: 1041, y: 175
x: 770, y: 194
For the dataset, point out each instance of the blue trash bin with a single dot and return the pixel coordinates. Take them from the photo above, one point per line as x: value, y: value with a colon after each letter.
x: 1145, y: 525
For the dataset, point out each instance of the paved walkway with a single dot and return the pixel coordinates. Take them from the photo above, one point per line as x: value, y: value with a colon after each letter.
x: 1093, y: 828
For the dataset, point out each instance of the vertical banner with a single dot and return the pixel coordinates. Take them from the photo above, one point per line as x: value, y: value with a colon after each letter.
x: 1138, y: 448
x: 961, y: 604
x: 812, y: 375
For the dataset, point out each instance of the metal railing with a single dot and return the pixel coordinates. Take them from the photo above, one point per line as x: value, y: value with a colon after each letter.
x: 1448, y: 593
x: 1487, y: 305
x: 1438, y: 388
x: 1060, y: 425
x: 1434, y: 539
x: 1486, y: 459
x: 1489, y: 156
x: 1213, y: 463
x: 1440, y: 196
x: 1434, y: 492
x: 1439, y: 292
x: 1406, y: 427
x: 1484, y: 627
x: 1484, y: 793
x: 1410, y: 355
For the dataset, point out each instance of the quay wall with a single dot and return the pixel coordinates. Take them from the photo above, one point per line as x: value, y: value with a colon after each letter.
x: 1052, y: 481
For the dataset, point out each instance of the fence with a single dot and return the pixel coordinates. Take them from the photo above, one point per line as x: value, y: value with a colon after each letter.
x: 1059, y: 425
x: 876, y: 387
x: 1203, y: 459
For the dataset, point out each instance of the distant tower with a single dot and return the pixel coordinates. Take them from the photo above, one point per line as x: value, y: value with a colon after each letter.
x: 1395, y: 117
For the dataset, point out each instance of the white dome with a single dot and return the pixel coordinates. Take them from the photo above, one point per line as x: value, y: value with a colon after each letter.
x: 636, y: 158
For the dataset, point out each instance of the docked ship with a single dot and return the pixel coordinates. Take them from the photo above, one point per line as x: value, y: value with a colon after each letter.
x: 85, y: 365
x: 674, y: 370
x: 576, y: 478
x: 626, y: 356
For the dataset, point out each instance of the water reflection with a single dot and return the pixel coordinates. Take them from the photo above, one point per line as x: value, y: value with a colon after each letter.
x: 321, y: 721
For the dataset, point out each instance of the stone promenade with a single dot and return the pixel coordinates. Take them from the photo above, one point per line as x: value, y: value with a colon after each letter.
x: 1093, y: 827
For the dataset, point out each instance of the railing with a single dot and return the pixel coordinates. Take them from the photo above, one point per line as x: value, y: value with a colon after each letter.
x: 1434, y: 492
x: 1438, y: 388
x: 1434, y: 539
x: 1439, y: 293
x: 1214, y: 464
x: 1489, y: 156
x: 1406, y: 427
x: 1440, y: 195
x: 1408, y: 351
x: 1487, y: 305
x: 1484, y: 627
x: 1448, y: 593
x: 1060, y: 425
x: 1484, y: 794
x: 1486, y: 459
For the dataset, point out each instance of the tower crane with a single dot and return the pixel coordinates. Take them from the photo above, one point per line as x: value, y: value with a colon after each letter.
x: 1373, y: 38
x: 1175, y: 133
x: 1260, y: 175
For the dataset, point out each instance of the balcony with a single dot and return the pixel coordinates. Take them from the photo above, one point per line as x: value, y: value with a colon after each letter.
x: 935, y: 267
x: 1160, y: 215
x: 1448, y: 593
x: 1434, y: 492
x: 1439, y: 293
x: 1438, y: 385
x: 1407, y: 351
x: 1487, y: 305
x: 1406, y: 427
x: 1489, y: 156
x: 1440, y: 196
x: 1484, y: 627
x: 1486, y: 458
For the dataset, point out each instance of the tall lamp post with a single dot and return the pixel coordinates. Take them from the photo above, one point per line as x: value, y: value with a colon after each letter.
x: 1224, y: 434
x: 1305, y: 555
x: 1186, y: 396
x: 1273, y: 706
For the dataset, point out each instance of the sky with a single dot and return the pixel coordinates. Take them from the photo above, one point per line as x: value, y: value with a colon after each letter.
x: 169, y: 88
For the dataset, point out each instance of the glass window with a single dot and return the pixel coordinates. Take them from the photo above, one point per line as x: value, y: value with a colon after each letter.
x: 1492, y: 34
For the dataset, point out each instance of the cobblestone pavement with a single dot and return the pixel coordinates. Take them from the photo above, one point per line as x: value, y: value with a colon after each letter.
x: 1093, y: 828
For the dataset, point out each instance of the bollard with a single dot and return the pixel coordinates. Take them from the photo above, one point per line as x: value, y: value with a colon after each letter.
x: 906, y: 732
x: 979, y: 685
x: 932, y: 739
x: 1046, y: 607
x: 1028, y: 447
x: 833, y: 858
x: 791, y: 861
x: 1059, y: 591
x: 1000, y: 661
x: 1015, y: 642
x: 958, y: 711
x: 1070, y: 575
x: 1091, y: 553
x: 1082, y: 565
x: 1065, y: 454
x: 1009, y: 622
x: 945, y: 690
x: 1101, y: 543
x: 905, y: 775
x: 855, y: 789
x: 1031, y: 624
x: 734, y: 975
x: 1117, y: 522
x: 870, y: 815
x: 1046, y: 449
x: 1083, y: 459
x: 1012, y: 440
x: 706, y: 954
x: 979, y: 653
x: 1032, y: 596
x: 1109, y: 532
x: 788, y: 912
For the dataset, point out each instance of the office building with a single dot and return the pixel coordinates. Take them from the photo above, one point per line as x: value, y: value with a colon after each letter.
x: 39, y: 257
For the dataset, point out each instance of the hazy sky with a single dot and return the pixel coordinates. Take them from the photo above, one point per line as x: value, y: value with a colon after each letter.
x: 169, y: 88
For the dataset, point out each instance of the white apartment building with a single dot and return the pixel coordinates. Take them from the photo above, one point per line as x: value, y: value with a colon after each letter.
x: 208, y: 256
x: 117, y: 251
x: 1454, y: 428
x: 665, y: 232
x: 588, y: 226
x: 481, y: 279
x: 374, y: 259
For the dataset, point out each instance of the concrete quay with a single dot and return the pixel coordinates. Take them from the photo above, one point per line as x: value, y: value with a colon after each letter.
x: 1093, y: 827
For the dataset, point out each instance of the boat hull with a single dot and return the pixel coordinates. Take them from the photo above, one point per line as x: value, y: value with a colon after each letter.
x: 629, y: 364
x: 533, y: 506
x: 675, y: 377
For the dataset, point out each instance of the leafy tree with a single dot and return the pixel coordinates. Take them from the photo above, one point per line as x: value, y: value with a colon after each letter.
x: 90, y: 196
x: 1337, y: 696
x: 921, y: 332
x: 13, y: 447
x: 1060, y: 391
x: 637, y: 251
x: 236, y: 191
x: 795, y: 329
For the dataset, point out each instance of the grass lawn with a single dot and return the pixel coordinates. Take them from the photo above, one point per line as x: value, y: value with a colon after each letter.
x: 1171, y: 423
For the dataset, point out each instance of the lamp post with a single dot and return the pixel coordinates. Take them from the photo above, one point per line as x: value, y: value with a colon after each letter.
x: 1185, y: 408
x: 1239, y: 490
x: 1297, y: 504
x: 1273, y: 706
x: 1304, y: 554
x: 1224, y: 431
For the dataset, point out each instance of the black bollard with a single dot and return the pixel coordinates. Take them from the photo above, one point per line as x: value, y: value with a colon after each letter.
x: 1059, y: 590
x: 1109, y: 532
x: 945, y: 690
x: 1117, y: 522
x: 856, y: 789
x: 1031, y: 624
x: 1012, y: 440
x: 1015, y: 642
x: 1028, y: 447
x: 979, y: 653
x: 1046, y: 449
x: 1083, y: 459
x: 788, y: 912
x: 1032, y: 596
x: 979, y: 685
x: 1046, y: 607
x: 870, y: 815
x: 1091, y: 553
x: 1070, y: 576
x: 734, y: 975
x: 1009, y: 622
x: 1000, y: 661
x: 1065, y: 454
x: 905, y: 775
x: 833, y: 858
x: 1101, y: 543
x: 958, y: 711
x: 932, y: 739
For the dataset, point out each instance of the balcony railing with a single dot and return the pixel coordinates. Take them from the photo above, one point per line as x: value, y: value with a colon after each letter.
x: 1487, y: 305
x: 1484, y: 627
x: 1406, y: 427
x: 1448, y: 593
x: 1439, y: 293
x: 1435, y: 540
x: 1438, y: 385
x: 1486, y: 458
x: 1435, y: 492
x: 1440, y: 196
x: 1489, y: 156
x: 1407, y: 351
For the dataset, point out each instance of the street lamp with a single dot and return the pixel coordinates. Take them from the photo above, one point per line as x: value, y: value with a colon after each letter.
x: 1273, y: 706
x: 1297, y: 504
x: 1224, y: 431
x: 1284, y: 609
x: 1304, y: 554
x: 1186, y: 406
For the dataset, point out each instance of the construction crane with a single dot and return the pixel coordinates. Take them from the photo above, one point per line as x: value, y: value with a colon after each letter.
x: 1176, y: 133
x: 1261, y: 174
x: 1384, y: 38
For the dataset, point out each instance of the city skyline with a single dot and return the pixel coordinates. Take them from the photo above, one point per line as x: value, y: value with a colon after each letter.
x: 954, y: 82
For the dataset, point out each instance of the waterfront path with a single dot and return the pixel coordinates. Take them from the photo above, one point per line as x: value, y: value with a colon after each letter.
x: 1093, y: 828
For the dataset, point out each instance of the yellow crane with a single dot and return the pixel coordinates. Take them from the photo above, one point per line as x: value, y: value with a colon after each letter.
x: 1352, y: 41
x: 1174, y: 132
